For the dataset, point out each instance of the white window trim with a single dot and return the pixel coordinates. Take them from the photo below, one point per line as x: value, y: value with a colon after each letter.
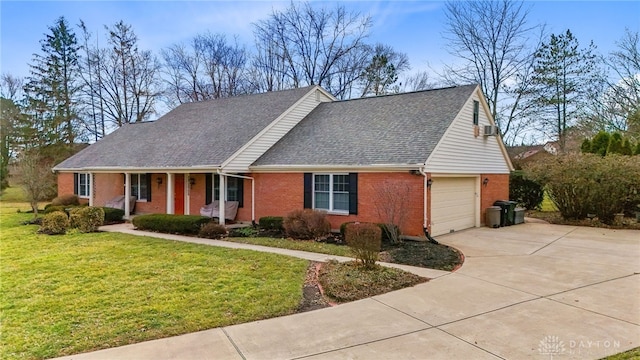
x: 138, y: 199
x: 87, y: 186
x: 331, y: 209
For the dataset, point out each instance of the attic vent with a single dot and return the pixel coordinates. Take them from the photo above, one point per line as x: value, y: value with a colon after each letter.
x: 490, y: 130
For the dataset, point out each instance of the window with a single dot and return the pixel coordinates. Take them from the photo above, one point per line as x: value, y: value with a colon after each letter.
x: 476, y: 111
x: 331, y: 192
x: 82, y: 184
x: 139, y: 186
x: 235, y: 189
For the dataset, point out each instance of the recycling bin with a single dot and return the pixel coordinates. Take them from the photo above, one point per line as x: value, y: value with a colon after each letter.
x: 492, y: 219
x: 519, y: 216
x: 508, y: 213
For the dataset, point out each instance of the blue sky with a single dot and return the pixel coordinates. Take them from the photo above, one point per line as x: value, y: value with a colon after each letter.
x: 412, y: 27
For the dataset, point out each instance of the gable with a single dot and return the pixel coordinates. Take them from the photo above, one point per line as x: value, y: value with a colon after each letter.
x: 459, y: 151
x: 256, y: 147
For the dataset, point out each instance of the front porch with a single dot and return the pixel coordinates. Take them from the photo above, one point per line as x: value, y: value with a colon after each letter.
x: 180, y: 193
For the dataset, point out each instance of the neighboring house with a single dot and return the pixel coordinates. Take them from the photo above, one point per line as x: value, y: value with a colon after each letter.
x: 280, y: 151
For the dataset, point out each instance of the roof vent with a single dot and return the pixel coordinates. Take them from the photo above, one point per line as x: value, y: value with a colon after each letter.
x: 490, y: 130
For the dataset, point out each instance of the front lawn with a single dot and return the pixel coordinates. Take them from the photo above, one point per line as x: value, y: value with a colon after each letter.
x: 291, y: 244
x: 63, y: 295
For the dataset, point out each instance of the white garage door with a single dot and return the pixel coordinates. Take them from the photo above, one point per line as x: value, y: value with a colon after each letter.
x: 453, y: 204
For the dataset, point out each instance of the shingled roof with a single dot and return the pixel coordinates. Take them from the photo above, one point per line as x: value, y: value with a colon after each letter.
x: 394, y: 129
x: 194, y: 134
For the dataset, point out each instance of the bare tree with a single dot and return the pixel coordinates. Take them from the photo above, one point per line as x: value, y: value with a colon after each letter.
x: 416, y: 82
x: 128, y: 77
x: 303, y: 46
x: 490, y: 37
x: 10, y: 87
x: 36, y: 178
x: 390, y: 202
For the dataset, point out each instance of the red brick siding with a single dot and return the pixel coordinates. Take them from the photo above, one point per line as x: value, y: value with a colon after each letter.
x: 65, y: 184
x: 279, y: 194
x: 497, y: 189
x: 106, y: 187
x: 158, y: 203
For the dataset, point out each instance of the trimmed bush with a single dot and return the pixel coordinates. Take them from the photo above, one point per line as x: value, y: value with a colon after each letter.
x: 55, y: 223
x: 86, y: 219
x: 526, y: 192
x: 306, y: 224
x: 365, y: 240
x: 579, y: 184
x: 171, y: 224
x: 112, y: 215
x: 212, y: 230
x: 388, y: 231
x: 52, y: 208
x: 66, y: 200
x: 271, y: 222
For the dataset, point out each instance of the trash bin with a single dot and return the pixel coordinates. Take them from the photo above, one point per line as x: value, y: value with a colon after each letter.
x: 519, y: 216
x: 508, y: 213
x: 493, y: 216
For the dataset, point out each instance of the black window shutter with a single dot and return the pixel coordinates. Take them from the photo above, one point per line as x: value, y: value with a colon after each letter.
x: 148, y: 187
x: 353, y: 193
x: 208, y: 182
x: 76, y: 181
x: 216, y: 187
x: 240, y: 192
x: 308, y: 190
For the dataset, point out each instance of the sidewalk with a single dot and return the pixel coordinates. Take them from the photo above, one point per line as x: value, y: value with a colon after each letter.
x: 527, y: 291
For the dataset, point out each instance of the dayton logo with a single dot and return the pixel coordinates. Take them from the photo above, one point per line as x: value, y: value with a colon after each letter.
x: 551, y: 345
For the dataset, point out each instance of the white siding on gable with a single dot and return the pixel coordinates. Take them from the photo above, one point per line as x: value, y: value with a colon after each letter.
x: 460, y: 152
x: 248, y: 154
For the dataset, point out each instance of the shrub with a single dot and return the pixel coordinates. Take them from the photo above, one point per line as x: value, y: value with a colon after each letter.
x: 526, y: 192
x: 212, y: 230
x: 54, y: 223
x: 66, y: 200
x: 579, y: 184
x: 52, y: 208
x: 389, y: 232
x: 306, y: 224
x: 86, y: 219
x: 112, y: 215
x: 243, y: 232
x: 172, y: 224
x: 271, y: 222
x: 365, y: 240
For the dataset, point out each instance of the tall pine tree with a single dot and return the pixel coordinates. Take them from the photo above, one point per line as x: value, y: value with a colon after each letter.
x: 52, y: 88
x: 560, y: 84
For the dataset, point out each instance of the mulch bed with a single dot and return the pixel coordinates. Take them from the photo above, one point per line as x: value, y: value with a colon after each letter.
x: 312, y: 298
x: 554, y: 217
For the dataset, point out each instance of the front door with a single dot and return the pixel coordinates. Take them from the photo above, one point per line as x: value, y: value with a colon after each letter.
x: 179, y: 194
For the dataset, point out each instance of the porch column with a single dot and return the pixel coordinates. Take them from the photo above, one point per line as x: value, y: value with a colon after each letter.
x: 90, y: 189
x: 223, y: 197
x: 187, y: 192
x: 170, y: 190
x: 127, y: 195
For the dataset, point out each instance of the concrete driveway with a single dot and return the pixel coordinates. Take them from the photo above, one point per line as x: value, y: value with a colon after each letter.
x: 534, y: 291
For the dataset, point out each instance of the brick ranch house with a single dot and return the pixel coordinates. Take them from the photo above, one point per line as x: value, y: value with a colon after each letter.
x: 280, y: 151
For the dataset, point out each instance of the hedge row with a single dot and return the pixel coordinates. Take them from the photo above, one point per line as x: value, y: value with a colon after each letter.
x: 172, y: 224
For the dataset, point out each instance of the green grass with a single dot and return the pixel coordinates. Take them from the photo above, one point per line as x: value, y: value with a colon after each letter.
x: 68, y: 294
x: 303, y: 245
x: 547, y: 205
x: 13, y: 194
x: 632, y: 354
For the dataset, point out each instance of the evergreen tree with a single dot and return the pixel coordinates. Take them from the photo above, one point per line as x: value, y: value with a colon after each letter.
x: 615, y: 144
x: 52, y: 88
x: 586, y: 146
x: 626, y: 148
x: 560, y: 84
x: 600, y: 143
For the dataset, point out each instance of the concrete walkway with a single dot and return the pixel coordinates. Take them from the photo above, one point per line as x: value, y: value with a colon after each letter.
x: 529, y: 291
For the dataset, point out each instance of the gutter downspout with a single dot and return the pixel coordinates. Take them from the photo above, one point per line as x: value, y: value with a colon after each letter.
x: 424, y: 205
x: 253, y: 193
